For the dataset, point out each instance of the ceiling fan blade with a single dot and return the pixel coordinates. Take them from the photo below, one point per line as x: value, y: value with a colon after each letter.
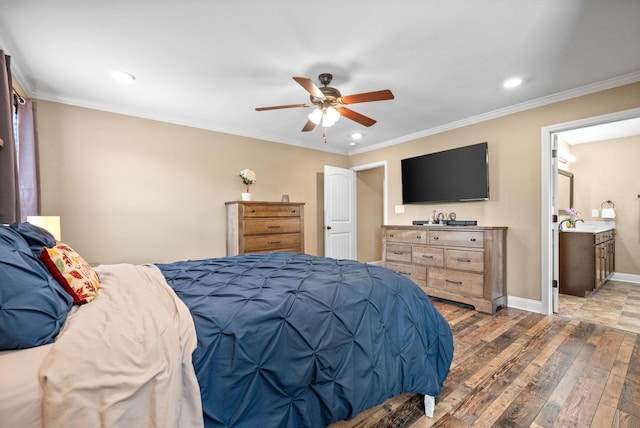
x: 356, y: 117
x: 308, y: 126
x: 366, y: 97
x: 309, y: 86
x: 284, y: 106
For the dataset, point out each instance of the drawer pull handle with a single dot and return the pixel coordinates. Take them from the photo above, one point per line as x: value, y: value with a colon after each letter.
x: 473, y: 239
x: 464, y: 260
x: 419, y: 237
x: 273, y: 242
x: 427, y: 257
x: 406, y: 273
x: 252, y: 211
x: 293, y: 211
x: 273, y: 227
x: 453, y: 282
x: 398, y: 252
x: 435, y: 238
x: 391, y: 235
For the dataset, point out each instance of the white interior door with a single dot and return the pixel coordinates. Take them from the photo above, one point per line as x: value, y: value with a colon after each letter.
x: 555, y: 289
x: 340, y: 213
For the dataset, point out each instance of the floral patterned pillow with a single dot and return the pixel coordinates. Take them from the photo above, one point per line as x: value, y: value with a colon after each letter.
x: 72, y: 272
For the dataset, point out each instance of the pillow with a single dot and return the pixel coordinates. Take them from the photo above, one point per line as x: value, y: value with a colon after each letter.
x: 33, y: 306
x: 72, y: 272
x: 36, y: 237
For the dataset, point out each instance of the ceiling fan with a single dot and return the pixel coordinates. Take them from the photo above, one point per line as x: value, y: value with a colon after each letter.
x: 331, y: 104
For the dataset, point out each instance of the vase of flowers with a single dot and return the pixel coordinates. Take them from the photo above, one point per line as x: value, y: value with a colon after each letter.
x: 248, y: 178
x: 573, y: 217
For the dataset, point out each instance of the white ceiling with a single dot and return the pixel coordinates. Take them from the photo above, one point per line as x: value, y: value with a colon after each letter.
x: 605, y: 131
x: 209, y: 63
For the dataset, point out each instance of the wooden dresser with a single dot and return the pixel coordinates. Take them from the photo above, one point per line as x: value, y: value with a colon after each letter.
x: 260, y: 227
x: 465, y: 264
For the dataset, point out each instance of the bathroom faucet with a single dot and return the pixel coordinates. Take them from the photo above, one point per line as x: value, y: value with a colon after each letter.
x: 567, y: 220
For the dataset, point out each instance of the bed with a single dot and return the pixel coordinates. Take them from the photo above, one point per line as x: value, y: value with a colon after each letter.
x: 275, y: 339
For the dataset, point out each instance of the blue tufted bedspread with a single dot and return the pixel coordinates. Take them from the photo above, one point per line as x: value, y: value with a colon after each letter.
x: 293, y: 340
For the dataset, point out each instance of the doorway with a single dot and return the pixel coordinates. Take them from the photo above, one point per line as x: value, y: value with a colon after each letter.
x: 549, y: 195
x: 371, y: 199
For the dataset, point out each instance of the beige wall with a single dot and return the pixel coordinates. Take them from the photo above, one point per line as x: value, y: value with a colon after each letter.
x: 608, y: 170
x: 514, y: 172
x: 136, y: 190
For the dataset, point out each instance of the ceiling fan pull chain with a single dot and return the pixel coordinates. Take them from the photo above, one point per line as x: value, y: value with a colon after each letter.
x: 324, y: 135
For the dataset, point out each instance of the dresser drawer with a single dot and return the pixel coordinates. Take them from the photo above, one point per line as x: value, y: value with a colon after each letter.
x: 456, y: 282
x: 255, y: 226
x: 399, y: 252
x: 427, y: 256
x: 266, y: 210
x: 417, y: 274
x: 455, y: 238
x: 465, y: 260
x: 408, y: 236
x: 263, y: 243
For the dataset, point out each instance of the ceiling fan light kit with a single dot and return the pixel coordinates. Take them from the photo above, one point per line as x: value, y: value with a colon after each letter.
x: 327, y: 115
x: 330, y: 104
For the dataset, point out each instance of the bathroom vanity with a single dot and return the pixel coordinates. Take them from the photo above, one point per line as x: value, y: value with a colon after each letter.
x: 586, y: 257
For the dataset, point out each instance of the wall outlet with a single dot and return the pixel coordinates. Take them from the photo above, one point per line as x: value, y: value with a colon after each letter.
x: 595, y: 213
x: 399, y: 209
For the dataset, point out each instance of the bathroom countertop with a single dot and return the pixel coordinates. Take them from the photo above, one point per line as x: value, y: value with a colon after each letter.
x: 591, y: 227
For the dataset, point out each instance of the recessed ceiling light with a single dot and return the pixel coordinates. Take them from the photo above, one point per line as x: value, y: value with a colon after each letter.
x: 123, y: 77
x: 353, y: 143
x: 512, y: 83
x: 356, y: 135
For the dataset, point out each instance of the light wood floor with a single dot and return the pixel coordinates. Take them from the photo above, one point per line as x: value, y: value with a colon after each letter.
x: 521, y: 369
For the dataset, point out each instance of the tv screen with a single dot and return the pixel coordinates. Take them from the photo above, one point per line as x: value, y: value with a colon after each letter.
x: 455, y: 175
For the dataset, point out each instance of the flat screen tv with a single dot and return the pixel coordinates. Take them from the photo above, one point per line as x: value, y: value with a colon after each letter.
x: 454, y: 175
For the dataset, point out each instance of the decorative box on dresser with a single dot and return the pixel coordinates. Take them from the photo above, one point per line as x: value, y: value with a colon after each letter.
x: 466, y: 264
x: 260, y: 227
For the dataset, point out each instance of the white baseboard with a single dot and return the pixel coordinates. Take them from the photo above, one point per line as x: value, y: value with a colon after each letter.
x: 626, y: 277
x: 536, y: 306
x: 524, y: 304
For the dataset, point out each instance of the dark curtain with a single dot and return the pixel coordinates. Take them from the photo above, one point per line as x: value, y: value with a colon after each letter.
x: 9, y: 186
x: 28, y: 180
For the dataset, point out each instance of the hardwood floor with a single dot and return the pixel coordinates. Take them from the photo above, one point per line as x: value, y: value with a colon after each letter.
x: 522, y: 369
x: 615, y: 304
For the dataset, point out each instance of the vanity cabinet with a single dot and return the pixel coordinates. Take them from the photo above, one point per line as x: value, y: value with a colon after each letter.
x: 586, y: 261
x: 260, y: 227
x: 465, y: 264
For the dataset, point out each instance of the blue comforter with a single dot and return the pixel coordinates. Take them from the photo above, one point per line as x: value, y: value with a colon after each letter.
x: 293, y: 340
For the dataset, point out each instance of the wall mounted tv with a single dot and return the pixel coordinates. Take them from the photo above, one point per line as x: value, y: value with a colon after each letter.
x: 454, y: 175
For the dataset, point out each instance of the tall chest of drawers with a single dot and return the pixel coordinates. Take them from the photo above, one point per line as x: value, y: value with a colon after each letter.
x: 260, y: 227
x: 465, y: 264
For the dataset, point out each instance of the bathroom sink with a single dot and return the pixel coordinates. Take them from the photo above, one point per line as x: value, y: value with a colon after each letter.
x: 590, y: 227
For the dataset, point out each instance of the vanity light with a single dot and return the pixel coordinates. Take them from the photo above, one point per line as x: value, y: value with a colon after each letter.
x: 565, y: 157
x: 356, y: 135
x: 512, y: 83
x: 123, y: 77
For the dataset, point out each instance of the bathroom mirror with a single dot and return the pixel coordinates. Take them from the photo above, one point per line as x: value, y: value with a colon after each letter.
x: 565, y: 191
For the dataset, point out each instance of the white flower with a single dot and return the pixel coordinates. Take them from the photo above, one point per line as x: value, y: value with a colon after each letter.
x: 248, y: 176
